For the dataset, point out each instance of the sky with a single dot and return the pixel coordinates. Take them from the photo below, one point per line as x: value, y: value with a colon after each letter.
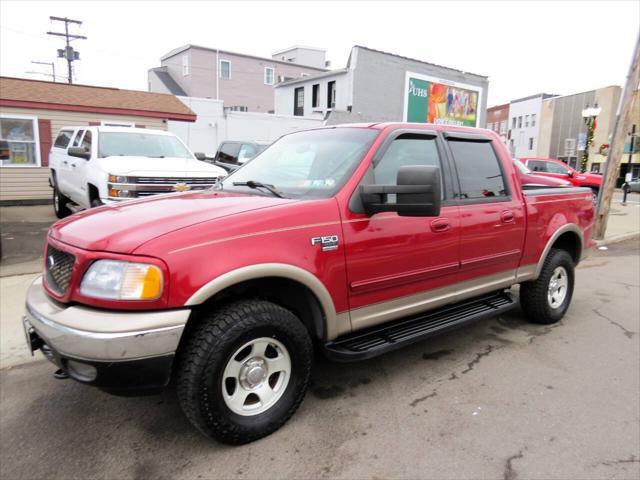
x: 523, y: 47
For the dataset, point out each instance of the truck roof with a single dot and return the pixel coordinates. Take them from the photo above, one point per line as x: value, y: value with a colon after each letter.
x: 101, y: 128
x: 413, y: 125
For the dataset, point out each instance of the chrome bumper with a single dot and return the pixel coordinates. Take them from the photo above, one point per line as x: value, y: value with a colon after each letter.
x: 92, y: 334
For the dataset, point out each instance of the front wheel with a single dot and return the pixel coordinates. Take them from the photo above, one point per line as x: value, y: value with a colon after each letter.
x: 244, y: 371
x: 60, y: 203
x: 546, y: 299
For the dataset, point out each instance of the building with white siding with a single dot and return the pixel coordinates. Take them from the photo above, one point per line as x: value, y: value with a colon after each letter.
x: 524, y: 124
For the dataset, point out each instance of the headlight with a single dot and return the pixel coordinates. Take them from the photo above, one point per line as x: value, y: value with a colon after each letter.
x: 117, y: 280
x: 121, y: 179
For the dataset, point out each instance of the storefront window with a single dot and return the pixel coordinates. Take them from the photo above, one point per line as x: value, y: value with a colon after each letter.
x: 18, y: 142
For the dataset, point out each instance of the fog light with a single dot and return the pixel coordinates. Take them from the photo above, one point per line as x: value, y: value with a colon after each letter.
x: 82, y: 371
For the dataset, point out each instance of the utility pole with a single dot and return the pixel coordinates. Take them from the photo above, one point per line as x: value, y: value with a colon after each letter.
x: 48, y: 64
x: 68, y: 53
x: 620, y: 130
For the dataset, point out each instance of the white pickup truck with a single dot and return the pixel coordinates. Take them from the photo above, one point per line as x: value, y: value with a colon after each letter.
x: 92, y: 166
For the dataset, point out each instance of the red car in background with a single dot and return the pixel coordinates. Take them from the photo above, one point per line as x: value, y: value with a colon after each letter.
x: 529, y: 179
x: 557, y: 169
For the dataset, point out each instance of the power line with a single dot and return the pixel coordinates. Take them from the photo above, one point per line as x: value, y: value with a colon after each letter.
x: 48, y: 64
x: 68, y: 53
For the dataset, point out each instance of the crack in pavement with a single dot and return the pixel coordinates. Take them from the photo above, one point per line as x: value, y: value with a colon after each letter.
x: 509, y: 472
x: 628, y: 333
x: 476, y: 360
x: 422, y: 399
x: 631, y: 459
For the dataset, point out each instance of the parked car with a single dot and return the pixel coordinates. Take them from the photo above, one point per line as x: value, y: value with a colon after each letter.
x: 634, y: 185
x: 557, y: 169
x: 528, y: 179
x: 92, y: 166
x: 358, y: 239
x: 232, y: 155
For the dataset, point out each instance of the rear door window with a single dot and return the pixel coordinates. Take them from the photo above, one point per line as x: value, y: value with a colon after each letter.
x: 479, y: 171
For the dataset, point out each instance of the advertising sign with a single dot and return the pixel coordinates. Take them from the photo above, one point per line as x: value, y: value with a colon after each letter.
x: 582, y: 141
x: 431, y: 100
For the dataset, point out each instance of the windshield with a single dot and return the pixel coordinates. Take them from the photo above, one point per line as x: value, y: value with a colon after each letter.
x: 141, y: 145
x: 522, y: 167
x: 308, y: 164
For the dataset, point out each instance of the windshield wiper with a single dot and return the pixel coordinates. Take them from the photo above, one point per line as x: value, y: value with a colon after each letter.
x: 253, y: 184
x: 155, y: 156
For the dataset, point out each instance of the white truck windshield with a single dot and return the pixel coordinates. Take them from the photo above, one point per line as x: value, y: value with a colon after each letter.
x: 140, y: 145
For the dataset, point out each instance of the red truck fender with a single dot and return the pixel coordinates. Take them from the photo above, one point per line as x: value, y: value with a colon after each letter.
x: 334, y: 323
x: 569, y: 236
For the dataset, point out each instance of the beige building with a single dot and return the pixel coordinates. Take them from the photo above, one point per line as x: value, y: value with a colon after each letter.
x: 244, y: 82
x: 32, y: 112
x: 563, y: 129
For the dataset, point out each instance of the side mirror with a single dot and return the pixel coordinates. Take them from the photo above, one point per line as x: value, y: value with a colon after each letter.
x: 79, y: 152
x: 417, y: 193
x: 570, y: 174
x: 200, y: 156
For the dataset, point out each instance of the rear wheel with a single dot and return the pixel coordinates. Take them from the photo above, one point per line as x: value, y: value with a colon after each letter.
x: 244, y: 371
x: 60, y: 203
x: 546, y: 299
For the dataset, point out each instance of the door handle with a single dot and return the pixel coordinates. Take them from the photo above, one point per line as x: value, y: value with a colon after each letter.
x: 65, y: 162
x: 73, y: 165
x: 440, y: 225
x: 507, y: 216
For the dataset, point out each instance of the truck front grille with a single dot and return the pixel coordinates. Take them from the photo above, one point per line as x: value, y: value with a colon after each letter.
x: 59, y: 268
x: 173, y: 180
x: 146, y: 186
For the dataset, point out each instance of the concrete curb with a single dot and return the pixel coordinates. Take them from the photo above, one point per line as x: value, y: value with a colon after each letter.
x: 618, y: 238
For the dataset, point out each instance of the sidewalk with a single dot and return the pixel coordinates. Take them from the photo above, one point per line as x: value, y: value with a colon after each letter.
x: 624, y: 221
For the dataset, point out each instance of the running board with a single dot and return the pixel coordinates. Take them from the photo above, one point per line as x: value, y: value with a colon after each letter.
x: 393, y: 335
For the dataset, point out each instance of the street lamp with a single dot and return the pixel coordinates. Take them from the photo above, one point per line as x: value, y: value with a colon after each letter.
x: 589, y: 115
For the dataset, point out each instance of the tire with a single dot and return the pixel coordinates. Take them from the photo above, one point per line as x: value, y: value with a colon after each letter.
x: 218, y: 345
x: 60, y: 203
x: 538, y: 302
x: 96, y: 202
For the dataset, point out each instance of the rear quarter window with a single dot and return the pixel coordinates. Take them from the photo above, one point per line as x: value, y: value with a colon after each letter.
x: 63, y: 139
x: 478, y: 169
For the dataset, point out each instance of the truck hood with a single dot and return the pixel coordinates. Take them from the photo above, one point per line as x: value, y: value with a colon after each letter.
x: 122, y: 227
x: 160, y: 167
x: 589, y: 178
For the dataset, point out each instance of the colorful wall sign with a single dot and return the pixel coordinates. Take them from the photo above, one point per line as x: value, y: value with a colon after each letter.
x: 429, y: 100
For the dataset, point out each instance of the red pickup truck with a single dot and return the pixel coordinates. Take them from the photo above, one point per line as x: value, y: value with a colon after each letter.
x: 358, y: 239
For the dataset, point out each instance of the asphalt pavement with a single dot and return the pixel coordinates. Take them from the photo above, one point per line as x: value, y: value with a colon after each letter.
x: 500, y: 399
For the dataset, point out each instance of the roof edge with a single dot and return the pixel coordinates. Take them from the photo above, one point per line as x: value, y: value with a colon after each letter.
x: 485, y: 77
x: 179, y: 50
x: 106, y: 110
